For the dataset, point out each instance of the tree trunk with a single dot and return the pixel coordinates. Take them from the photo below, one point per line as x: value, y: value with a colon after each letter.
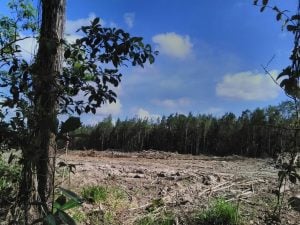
x: 48, y: 65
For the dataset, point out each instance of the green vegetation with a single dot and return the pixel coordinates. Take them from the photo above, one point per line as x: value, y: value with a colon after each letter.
x: 66, y: 200
x: 112, y: 200
x: 94, y: 194
x: 219, y: 213
x: 10, y: 174
x: 162, y: 218
x: 155, y: 203
x: 37, y: 91
x: 254, y: 133
x: 78, y: 215
x: 289, y: 81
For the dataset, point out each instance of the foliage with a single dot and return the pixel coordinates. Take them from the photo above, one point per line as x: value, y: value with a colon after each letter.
x: 290, y: 74
x: 71, y: 124
x: 220, y: 212
x: 162, y: 218
x: 10, y: 174
x: 155, y: 204
x: 33, y: 96
x: 290, y: 83
x: 112, y: 199
x: 104, y: 194
x: 65, y: 201
x: 79, y: 216
x: 254, y: 133
x: 85, y: 73
x: 94, y: 194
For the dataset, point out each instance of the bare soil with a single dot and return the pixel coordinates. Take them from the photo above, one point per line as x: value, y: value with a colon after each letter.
x: 185, y: 183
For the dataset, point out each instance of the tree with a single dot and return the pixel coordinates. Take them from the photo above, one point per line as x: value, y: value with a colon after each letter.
x: 36, y: 93
x: 44, y: 85
x: 290, y: 83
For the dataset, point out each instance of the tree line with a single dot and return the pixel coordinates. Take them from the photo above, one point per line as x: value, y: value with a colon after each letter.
x: 257, y: 133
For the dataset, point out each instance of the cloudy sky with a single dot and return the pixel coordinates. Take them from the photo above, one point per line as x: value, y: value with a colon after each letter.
x: 210, y: 58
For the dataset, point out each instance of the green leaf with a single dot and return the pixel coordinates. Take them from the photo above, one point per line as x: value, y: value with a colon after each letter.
x: 56, y: 206
x: 281, y: 174
x: 61, y: 200
x: 96, y: 21
x: 65, y: 218
x: 11, y: 158
x: 70, y: 205
x: 151, y: 59
x: 295, y: 17
x: 291, y: 28
x: 67, y: 53
x: 286, y: 72
x: 62, y: 164
x: 70, y: 195
x: 262, y: 8
x: 278, y: 17
x: 87, y: 109
x: 97, y: 41
x: 276, y: 9
x: 50, y: 220
x: 290, y: 86
x: 265, y: 2
x: 292, y: 178
x: 93, y: 110
x: 70, y: 124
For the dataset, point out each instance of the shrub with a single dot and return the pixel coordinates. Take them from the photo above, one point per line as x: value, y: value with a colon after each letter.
x: 220, y: 213
x: 9, y: 178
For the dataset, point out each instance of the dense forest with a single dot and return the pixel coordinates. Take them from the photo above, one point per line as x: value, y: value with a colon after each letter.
x: 257, y: 133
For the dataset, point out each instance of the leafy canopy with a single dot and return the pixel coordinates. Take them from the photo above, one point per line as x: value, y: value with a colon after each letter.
x: 90, y: 73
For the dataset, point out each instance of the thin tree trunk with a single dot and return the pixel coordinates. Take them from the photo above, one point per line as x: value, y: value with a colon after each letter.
x: 48, y: 66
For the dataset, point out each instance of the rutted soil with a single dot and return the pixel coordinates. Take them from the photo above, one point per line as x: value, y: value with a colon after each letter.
x: 184, y: 182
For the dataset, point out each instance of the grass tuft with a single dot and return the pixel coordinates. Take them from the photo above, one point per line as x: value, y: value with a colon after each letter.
x: 112, y: 199
x: 163, y: 218
x: 94, y: 194
x: 220, y: 213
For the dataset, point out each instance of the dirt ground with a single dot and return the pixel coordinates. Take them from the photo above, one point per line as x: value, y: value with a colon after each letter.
x: 185, y: 183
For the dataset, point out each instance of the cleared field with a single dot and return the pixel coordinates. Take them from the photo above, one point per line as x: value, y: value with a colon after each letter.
x: 182, y: 183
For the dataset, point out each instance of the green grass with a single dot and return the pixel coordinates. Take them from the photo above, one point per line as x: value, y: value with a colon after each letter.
x: 94, y: 194
x: 164, y: 218
x: 9, y: 178
x: 219, y: 213
x: 78, y: 215
x: 113, y: 200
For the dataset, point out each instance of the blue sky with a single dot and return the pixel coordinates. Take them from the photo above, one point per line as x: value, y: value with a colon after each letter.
x: 210, y: 54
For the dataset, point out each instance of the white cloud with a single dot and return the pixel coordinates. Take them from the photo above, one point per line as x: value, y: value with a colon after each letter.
x: 172, y: 103
x: 171, y: 84
x: 173, y: 44
x: 110, y: 109
x: 144, y: 114
x: 72, y: 38
x: 73, y: 25
x: 129, y: 19
x: 215, y: 111
x: 113, y: 25
x: 248, y: 86
x: 29, y: 47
